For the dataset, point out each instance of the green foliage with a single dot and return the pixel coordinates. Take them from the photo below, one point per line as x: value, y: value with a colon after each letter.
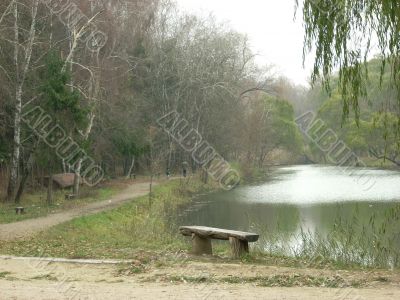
x: 130, y: 144
x: 341, y: 33
x: 375, y: 128
x: 60, y: 99
x: 281, y: 130
x: 62, y: 103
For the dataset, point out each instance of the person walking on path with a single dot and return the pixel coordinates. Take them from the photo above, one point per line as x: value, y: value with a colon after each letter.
x: 184, y: 168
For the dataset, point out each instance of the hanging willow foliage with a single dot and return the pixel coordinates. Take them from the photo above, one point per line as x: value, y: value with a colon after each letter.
x: 342, y: 33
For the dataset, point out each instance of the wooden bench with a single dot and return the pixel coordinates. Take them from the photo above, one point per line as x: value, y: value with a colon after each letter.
x: 201, y: 239
x: 70, y: 196
x: 19, y: 210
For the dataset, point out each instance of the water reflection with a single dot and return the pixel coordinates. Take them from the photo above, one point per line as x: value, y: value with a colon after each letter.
x: 325, y: 184
x: 299, y: 198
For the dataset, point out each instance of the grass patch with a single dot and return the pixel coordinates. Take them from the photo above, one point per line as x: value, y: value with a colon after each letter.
x: 48, y: 277
x: 4, y: 274
x: 120, y: 233
x: 36, y: 206
x: 292, y: 280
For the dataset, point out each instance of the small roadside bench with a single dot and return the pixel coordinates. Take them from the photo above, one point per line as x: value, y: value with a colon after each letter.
x: 70, y: 196
x: 19, y: 210
x: 201, y: 239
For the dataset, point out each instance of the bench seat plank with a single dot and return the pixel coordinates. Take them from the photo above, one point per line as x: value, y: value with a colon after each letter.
x: 217, y: 233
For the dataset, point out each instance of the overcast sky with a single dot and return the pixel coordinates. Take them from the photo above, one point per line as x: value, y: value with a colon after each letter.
x: 269, y: 24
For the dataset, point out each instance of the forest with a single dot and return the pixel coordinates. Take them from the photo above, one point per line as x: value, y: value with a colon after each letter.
x: 156, y: 59
x: 102, y: 83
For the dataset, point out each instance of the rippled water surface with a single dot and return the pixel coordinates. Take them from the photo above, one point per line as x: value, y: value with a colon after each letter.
x: 298, y: 198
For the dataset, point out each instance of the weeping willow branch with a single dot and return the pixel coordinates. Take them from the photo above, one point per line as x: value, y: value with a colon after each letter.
x: 340, y: 34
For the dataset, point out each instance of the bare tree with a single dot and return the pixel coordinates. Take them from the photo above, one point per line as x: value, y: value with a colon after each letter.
x: 22, y: 66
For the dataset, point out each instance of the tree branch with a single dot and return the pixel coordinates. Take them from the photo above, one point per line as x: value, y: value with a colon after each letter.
x: 375, y: 154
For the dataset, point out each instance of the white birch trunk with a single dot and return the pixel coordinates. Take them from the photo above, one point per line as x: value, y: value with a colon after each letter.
x: 20, y: 77
x: 79, y: 164
x: 131, y: 168
x: 93, y: 93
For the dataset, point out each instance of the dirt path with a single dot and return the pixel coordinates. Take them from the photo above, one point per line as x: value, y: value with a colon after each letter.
x: 42, y: 290
x: 25, y: 279
x: 26, y: 228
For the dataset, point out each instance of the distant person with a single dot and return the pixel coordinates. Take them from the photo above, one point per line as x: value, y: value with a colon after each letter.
x: 184, y: 168
x: 168, y: 173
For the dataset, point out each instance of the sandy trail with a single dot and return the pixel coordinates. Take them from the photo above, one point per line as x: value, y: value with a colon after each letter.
x: 24, y: 279
x: 44, y: 290
x: 27, y: 228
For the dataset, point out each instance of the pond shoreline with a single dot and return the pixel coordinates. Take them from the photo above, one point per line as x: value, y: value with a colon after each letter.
x: 304, y: 202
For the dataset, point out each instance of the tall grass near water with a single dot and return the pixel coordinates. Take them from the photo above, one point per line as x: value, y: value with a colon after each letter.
x: 350, y: 241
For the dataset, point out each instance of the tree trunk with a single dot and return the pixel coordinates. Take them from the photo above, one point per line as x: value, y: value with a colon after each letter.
x: 77, y: 179
x: 128, y: 175
x: 20, y: 79
x: 151, y: 190
x: 25, y: 175
x: 385, y: 157
x: 17, y: 146
x: 22, y: 185
x: 17, y: 115
x: 204, y: 176
x: 50, y: 190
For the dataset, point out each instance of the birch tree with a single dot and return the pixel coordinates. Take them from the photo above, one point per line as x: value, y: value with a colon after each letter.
x: 22, y: 64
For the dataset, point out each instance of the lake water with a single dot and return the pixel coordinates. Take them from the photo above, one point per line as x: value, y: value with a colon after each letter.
x: 300, y: 198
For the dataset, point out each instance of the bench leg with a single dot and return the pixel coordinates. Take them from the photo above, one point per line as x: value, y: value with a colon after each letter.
x: 238, y: 247
x: 19, y: 211
x: 201, y: 245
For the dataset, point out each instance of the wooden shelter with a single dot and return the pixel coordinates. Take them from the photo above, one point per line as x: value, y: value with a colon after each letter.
x: 62, y: 181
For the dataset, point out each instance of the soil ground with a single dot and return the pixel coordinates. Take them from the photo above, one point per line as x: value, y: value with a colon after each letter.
x: 35, y: 279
